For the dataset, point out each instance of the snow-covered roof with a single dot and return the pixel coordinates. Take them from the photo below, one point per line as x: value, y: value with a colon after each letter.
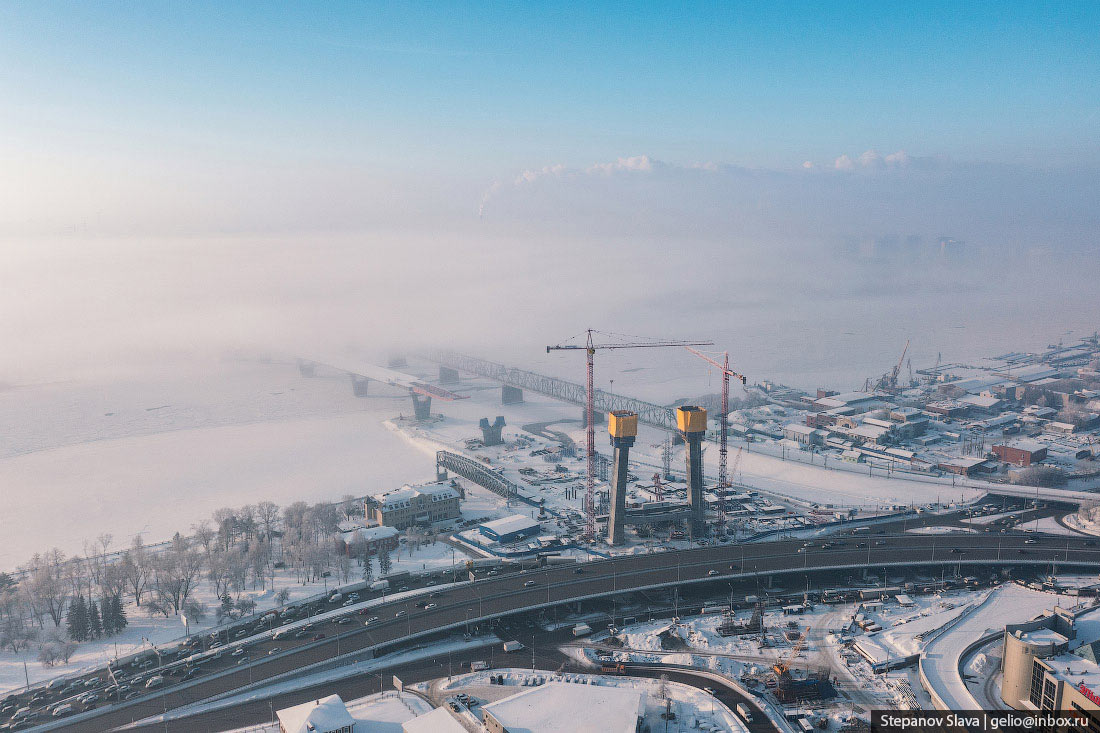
x: 554, y: 708
x: 437, y: 721
x: 1033, y: 373
x: 1031, y: 446
x: 370, y: 534
x: 404, y: 495
x: 980, y: 401
x: 507, y: 525
x: 316, y: 716
x: 799, y: 429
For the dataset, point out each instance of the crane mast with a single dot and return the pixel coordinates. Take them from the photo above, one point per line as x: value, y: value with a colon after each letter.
x: 723, y: 451
x: 590, y: 348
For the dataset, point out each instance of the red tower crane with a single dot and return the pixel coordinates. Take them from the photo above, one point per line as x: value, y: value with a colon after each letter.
x: 723, y: 477
x: 590, y: 348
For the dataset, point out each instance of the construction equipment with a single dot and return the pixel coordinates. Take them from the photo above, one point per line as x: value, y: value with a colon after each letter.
x: 590, y: 348
x: 724, y: 367
x: 736, y: 467
x: 783, y: 664
x: 889, y: 381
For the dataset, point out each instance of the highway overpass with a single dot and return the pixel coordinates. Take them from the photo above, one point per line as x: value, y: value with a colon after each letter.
x: 401, y: 622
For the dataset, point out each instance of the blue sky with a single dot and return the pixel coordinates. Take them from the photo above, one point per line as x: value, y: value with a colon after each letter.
x: 768, y: 84
x: 465, y: 94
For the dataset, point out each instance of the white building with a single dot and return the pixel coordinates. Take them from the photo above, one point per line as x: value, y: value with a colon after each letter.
x: 558, y: 707
x: 437, y: 721
x: 326, y: 715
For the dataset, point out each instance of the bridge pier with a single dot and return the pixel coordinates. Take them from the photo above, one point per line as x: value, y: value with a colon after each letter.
x: 398, y: 362
x: 447, y: 375
x: 622, y: 425
x: 692, y: 422
x: 510, y: 395
x: 597, y: 417
x: 359, y: 385
x: 306, y: 368
x: 491, y: 433
x: 422, y: 406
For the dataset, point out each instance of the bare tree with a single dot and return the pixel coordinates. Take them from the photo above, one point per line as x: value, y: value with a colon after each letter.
x: 175, y: 573
x: 267, y: 514
x: 135, y: 569
x: 46, y: 589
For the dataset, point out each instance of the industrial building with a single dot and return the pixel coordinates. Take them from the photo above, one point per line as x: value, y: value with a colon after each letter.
x: 567, y: 708
x: 509, y: 529
x: 803, y: 434
x: 1050, y: 663
x: 409, y: 506
x: 1021, y: 452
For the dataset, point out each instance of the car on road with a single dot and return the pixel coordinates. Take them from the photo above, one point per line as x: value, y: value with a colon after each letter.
x: 237, y: 652
x: 344, y: 620
x: 154, y: 681
x: 273, y: 650
x: 528, y: 584
x: 429, y: 607
x: 712, y: 573
x: 578, y: 571
x: 1031, y: 541
x: 370, y: 621
x: 317, y: 637
x: 399, y: 614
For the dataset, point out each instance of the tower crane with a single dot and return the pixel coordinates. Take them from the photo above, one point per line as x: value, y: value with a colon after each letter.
x: 724, y: 367
x: 590, y: 348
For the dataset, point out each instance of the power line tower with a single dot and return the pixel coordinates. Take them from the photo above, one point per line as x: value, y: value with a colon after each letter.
x: 724, y: 367
x: 666, y: 458
x: 590, y: 348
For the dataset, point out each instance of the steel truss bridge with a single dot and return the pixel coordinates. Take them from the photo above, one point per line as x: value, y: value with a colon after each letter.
x: 657, y: 416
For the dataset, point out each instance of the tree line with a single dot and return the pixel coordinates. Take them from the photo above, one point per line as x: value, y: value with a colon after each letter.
x: 56, y: 601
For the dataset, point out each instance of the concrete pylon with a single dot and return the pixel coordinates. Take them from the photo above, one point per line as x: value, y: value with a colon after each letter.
x: 692, y: 423
x: 422, y: 406
x: 359, y: 385
x: 510, y: 395
x: 306, y: 368
x: 622, y: 425
x: 447, y: 375
x: 491, y: 433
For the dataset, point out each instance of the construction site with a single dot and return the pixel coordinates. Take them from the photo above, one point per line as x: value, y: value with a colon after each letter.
x: 674, y: 473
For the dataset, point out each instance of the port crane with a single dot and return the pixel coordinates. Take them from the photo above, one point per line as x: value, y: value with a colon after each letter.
x: 590, y: 347
x: 724, y: 367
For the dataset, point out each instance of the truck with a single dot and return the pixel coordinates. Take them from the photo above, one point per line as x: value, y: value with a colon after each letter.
x: 582, y: 629
x: 336, y: 597
x: 380, y: 585
x: 744, y: 712
x: 478, y: 666
x: 512, y: 646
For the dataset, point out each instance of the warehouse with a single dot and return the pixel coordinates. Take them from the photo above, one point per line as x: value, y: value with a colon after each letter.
x: 1021, y: 453
x: 509, y: 529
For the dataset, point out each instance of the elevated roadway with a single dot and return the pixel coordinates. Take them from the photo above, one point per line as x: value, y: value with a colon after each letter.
x: 400, y: 623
